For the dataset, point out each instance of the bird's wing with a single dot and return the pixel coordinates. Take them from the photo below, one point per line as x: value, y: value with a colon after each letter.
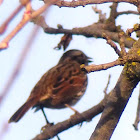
x: 60, y: 82
x: 69, y: 84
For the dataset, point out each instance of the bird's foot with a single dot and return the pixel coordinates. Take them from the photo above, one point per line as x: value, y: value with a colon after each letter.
x: 46, y: 126
x: 80, y: 116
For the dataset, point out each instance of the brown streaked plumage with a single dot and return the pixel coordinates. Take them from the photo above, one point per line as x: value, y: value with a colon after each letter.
x: 63, y: 84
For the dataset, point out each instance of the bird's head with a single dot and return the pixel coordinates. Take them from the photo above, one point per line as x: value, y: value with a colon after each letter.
x: 75, y: 55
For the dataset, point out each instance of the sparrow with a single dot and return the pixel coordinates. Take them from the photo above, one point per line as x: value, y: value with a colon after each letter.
x: 61, y: 86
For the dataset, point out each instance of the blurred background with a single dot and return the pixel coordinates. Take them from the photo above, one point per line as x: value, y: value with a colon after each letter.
x: 41, y: 57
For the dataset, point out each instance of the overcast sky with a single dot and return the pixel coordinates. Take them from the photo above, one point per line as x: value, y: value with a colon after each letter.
x: 42, y: 57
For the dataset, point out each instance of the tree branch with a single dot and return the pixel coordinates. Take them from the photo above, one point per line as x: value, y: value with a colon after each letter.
x: 94, y: 30
x: 19, y: 64
x: 112, y: 44
x: 112, y: 106
x: 88, y: 2
x: 52, y: 131
x: 137, y: 120
x: 118, y: 99
x: 128, y: 12
x: 93, y: 68
x: 105, y: 90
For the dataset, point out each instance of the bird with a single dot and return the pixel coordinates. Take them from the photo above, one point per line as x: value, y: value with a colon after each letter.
x: 61, y: 86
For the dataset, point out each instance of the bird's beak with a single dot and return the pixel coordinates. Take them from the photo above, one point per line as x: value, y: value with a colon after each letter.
x: 89, y: 59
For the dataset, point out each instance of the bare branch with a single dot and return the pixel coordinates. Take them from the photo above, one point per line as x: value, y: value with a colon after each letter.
x: 127, y: 12
x: 137, y: 120
x: 113, y: 12
x: 28, y: 15
x: 88, y: 2
x: 93, y: 68
x: 9, y: 19
x: 17, y: 68
x: 94, y: 30
x: 120, y: 61
x: 1, y: 1
x: 117, y: 100
x: 102, y: 17
x: 112, y: 44
x: 4, y: 129
x: 105, y: 90
x: 52, y: 131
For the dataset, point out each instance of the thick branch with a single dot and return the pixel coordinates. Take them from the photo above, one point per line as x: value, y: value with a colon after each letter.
x: 52, y: 131
x: 117, y: 99
x: 116, y: 103
x: 88, y: 2
x: 94, y: 30
x: 97, y: 30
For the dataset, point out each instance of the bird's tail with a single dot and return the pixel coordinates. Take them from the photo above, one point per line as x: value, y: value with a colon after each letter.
x: 22, y: 110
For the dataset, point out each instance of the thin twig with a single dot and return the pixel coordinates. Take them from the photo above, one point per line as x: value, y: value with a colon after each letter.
x: 4, y: 26
x: 1, y: 1
x: 4, y: 129
x: 28, y: 15
x: 137, y: 120
x: 106, y: 88
x: 102, y: 17
x: 128, y: 12
x: 112, y: 44
x: 93, y: 68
